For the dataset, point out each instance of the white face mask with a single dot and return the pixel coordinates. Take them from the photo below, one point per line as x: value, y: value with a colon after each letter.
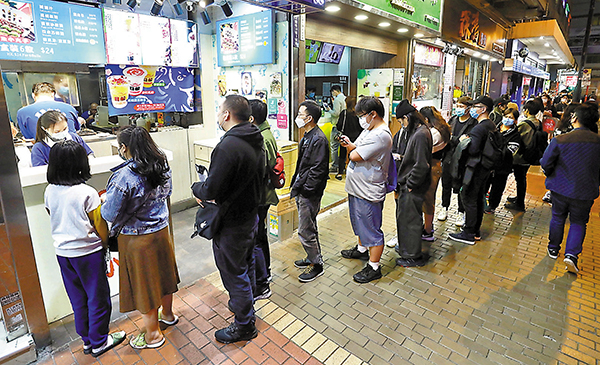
x: 52, y: 138
x: 363, y: 122
x: 300, y: 122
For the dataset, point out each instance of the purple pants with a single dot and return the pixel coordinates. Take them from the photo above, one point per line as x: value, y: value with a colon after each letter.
x: 87, y: 286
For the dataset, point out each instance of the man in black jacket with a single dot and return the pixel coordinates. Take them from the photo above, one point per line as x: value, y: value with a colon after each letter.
x: 236, y: 180
x: 473, y: 193
x: 307, y: 187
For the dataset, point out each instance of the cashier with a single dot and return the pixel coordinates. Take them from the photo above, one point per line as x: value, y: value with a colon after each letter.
x: 90, y: 114
x: 52, y: 128
x: 43, y: 94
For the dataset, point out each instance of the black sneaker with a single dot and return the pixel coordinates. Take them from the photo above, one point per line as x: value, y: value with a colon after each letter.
x: 311, y: 273
x: 514, y: 206
x: 464, y: 237
x: 302, y: 264
x: 235, y: 333
x: 263, y: 294
x: 412, y: 262
x: 354, y: 253
x: 511, y: 199
x: 427, y: 236
x: 489, y: 210
x: 367, y: 274
x: 477, y: 236
x: 552, y: 253
x: 571, y: 262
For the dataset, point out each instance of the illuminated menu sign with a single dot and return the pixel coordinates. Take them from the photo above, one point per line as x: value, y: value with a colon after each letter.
x: 246, y: 40
x: 51, y: 31
x: 123, y: 45
x: 155, y: 35
x: 184, y: 47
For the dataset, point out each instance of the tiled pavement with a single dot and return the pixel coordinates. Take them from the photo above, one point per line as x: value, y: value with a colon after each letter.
x: 502, y: 301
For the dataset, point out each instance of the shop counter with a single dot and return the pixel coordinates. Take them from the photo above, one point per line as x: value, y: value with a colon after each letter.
x: 33, y: 182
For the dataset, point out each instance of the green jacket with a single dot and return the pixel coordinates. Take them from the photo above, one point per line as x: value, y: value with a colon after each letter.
x: 271, y: 151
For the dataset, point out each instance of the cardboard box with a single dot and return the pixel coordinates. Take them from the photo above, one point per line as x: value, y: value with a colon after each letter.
x: 282, y: 226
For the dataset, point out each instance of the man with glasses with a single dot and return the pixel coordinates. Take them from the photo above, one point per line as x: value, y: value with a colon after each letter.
x: 307, y: 186
x: 473, y: 193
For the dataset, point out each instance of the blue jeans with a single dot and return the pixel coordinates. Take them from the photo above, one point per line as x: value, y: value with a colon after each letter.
x: 335, y: 145
x: 233, y: 248
x: 262, y: 256
x: 579, y: 215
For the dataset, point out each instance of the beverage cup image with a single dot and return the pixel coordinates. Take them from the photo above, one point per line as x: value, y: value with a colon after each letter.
x: 136, y: 76
x: 118, y: 87
x: 150, y: 73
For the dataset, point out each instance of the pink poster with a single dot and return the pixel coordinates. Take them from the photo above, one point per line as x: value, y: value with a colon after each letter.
x: 282, y: 121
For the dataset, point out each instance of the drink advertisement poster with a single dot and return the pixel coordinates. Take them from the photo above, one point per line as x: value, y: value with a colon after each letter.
x: 246, y: 40
x: 51, y: 31
x: 123, y: 44
x: 184, y: 45
x: 139, y: 89
x: 155, y: 36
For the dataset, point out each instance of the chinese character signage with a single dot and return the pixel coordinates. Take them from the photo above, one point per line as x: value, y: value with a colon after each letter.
x: 426, y: 13
x: 428, y: 55
x: 51, y: 31
x: 138, y: 89
x: 246, y: 40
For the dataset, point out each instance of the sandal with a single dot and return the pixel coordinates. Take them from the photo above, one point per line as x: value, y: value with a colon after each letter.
x: 338, y: 176
x: 113, y: 340
x: 168, y: 323
x: 139, y: 342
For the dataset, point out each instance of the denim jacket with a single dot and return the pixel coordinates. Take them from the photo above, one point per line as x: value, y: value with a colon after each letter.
x: 132, y: 206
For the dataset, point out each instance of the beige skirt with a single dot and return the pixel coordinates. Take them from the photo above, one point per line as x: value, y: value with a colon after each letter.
x: 147, y: 270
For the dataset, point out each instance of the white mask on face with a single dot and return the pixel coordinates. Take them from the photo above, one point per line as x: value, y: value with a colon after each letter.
x: 300, y: 122
x: 363, y: 122
x: 53, y: 138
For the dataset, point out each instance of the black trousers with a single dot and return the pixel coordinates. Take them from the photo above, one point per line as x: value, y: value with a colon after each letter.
x: 520, y: 172
x: 498, y: 181
x: 342, y: 160
x: 473, y: 200
x: 262, y: 254
x: 409, y: 223
x: 447, y: 188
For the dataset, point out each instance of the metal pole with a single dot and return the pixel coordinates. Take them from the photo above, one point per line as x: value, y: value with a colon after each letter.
x: 577, y: 93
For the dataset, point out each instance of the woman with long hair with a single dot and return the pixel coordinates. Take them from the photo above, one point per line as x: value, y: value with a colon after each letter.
x: 347, y: 125
x: 440, y: 134
x: 136, y: 205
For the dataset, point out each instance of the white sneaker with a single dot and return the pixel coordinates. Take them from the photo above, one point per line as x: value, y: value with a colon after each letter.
x: 460, y: 220
x: 443, y: 215
x: 392, y: 243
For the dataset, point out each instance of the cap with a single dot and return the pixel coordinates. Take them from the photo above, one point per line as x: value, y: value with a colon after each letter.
x: 501, y: 101
x: 485, y: 100
x: 404, y: 108
x: 465, y: 100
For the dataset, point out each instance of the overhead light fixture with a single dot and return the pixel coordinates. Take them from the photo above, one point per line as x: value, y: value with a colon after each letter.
x: 477, y: 54
x: 332, y: 8
x: 367, y: 8
x: 546, y: 44
x: 132, y: 4
x: 117, y: 2
x: 419, y: 35
x: 493, y: 60
x: 486, y: 57
x: 205, y: 17
x: 361, y: 17
x: 542, y: 37
x: 402, y: 30
x: 226, y: 7
x: 176, y: 8
x: 156, y: 7
x: 384, y: 24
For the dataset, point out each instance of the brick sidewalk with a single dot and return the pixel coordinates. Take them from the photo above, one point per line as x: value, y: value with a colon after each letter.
x: 501, y: 301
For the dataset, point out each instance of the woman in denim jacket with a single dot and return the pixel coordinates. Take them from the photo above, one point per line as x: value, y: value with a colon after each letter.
x: 136, y: 205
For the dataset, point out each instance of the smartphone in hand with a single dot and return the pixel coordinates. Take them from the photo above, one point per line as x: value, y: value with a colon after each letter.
x: 202, y: 172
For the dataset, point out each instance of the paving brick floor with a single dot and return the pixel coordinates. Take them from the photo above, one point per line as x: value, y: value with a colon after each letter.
x: 501, y: 301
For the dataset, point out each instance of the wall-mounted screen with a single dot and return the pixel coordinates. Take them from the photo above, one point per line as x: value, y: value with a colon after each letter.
x: 312, y: 50
x: 184, y: 45
x: 246, y: 40
x: 51, y: 31
x: 331, y: 53
x: 155, y: 36
x: 122, y: 32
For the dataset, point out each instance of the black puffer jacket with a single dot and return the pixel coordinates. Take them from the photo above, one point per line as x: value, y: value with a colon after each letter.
x: 312, y: 167
x: 415, y: 168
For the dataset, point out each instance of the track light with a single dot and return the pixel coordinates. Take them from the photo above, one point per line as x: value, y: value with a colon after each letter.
x: 156, y: 7
x: 102, y: 1
x: 226, y: 8
x: 177, y: 7
x: 205, y: 17
x: 117, y: 2
x: 132, y: 4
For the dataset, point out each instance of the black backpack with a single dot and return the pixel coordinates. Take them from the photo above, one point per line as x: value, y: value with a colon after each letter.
x: 535, y: 151
x: 492, y: 154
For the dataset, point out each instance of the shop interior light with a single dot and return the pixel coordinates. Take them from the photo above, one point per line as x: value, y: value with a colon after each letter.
x: 361, y: 17
x: 476, y: 54
x: 117, y: 2
x: 102, y: 1
x: 546, y: 44
x: 384, y: 24
x: 226, y: 7
x: 486, y: 57
x: 156, y: 7
x: 402, y: 30
x: 419, y: 35
x: 367, y: 8
x: 205, y: 17
x: 132, y: 4
x: 542, y: 37
x: 332, y: 8
x: 493, y: 60
x: 177, y: 7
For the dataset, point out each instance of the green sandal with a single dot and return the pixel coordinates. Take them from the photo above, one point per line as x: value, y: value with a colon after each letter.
x: 139, y: 342
x: 168, y: 323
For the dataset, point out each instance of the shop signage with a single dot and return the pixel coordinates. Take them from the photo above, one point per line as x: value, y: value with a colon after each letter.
x: 498, y: 48
x: 137, y: 89
x: 13, y: 315
x: 245, y: 40
x: 571, y: 81
x: 425, y: 13
x: 519, y: 66
x: 428, y: 55
x: 469, y: 29
x: 51, y: 31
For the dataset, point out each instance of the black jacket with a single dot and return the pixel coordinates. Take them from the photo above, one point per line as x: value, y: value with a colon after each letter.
x: 512, y: 141
x: 237, y: 168
x: 458, y: 129
x: 348, y: 124
x: 479, y: 135
x: 415, y: 168
x: 312, y: 168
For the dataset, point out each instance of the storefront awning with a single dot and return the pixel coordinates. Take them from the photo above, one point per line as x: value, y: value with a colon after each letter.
x: 511, y: 64
x: 544, y: 37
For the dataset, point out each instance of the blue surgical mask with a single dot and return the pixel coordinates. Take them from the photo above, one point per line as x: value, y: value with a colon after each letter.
x: 459, y: 112
x: 63, y: 90
x: 508, y: 121
x: 474, y: 113
x: 311, y: 95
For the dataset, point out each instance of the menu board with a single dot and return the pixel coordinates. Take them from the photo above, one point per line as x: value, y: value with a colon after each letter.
x: 51, y: 31
x: 139, y: 89
x: 184, y: 47
x: 122, y: 31
x: 246, y: 40
x: 155, y: 35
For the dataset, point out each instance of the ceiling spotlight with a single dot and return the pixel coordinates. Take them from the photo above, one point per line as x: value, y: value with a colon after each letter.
x: 477, y: 54
x: 226, y: 9
x: 542, y: 37
x: 493, y: 60
x: 361, y: 17
x: 547, y: 44
x: 367, y: 8
x: 419, y: 35
x: 117, y: 2
x: 156, y: 7
x: 205, y: 17
x: 132, y: 4
x: 384, y: 24
x: 402, y: 30
x: 202, y: 4
x: 486, y: 57
x: 332, y: 8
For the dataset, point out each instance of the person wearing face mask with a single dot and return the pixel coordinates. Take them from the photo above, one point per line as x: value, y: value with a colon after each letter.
x: 549, y: 109
x: 236, y: 178
x: 500, y: 105
x: 61, y: 85
x: 307, y: 186
x: 461, y: 124
x: 43, y: 94
x: 339, y: 104
x: 311, y: 93
x: 473, y: 193
x: 366, y: 185
x: 51, y: 128
x: 512, y: 139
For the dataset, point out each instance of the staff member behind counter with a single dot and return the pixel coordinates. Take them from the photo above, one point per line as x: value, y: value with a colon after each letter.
x: 43, y: 94
x: 51, y: 128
